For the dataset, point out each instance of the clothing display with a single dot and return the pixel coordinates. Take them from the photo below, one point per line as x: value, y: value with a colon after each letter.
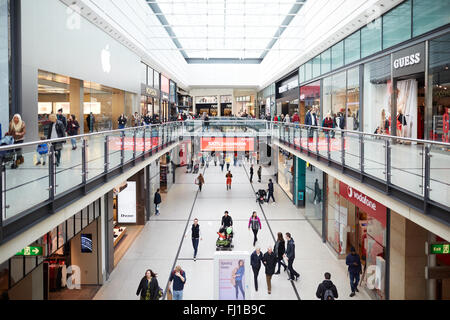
x: 57, y: 276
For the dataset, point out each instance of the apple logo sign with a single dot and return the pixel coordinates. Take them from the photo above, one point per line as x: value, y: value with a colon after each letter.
x: 106, y: 59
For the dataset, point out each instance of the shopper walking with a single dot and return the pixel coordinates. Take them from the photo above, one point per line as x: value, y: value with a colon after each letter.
x: 255, y: 261
x: 290, y: 255
x: 280, y: 250
x: 196, y: 237
x: 222, y: 162
x: 228, y: 161
x: 259, y: 174
x: 157, y: 201
x: 17, y: 130
x: 271, y: 191
x: 354, y: 270
x: 270, y: 261
x: 255, y: 224
x: 73, y: 128
x: 200, y: 181
x: 229, y: 178
x: 227, y: 222
x: 327, y: 290
x: 56, y: 130
x: 317, y: 192
x: 90, y: 119
x: 178, y: 278
x: 122, y: 121
x: 62, y: 118
x: 148, y: 288
x: 252, y: 171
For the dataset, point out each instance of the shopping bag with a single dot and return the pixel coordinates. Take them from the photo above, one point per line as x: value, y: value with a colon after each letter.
x: 169, y: 295
x: 35, y: 159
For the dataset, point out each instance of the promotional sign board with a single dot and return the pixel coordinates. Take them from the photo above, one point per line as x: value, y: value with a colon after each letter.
x: 115, y: 143
x: 126, y: 204
x: 232, y: 274
x: 322, y: 145
x: 227, y: 144
x: 409, y: 61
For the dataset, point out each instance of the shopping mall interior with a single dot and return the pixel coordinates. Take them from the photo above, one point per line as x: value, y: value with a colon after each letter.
x: 132, y: 130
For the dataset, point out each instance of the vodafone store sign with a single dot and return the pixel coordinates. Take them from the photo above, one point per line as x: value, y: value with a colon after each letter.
x: 228, y: 144
x: 365, y: 203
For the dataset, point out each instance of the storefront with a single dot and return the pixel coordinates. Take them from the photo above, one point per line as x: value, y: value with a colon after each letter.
x: 208, y: 105
x: 287, y: 95
x: 266, y: 102
x: 173, y: 103
x: 165, y: 91
x: 149, y: 101
x: 309, y: 99
x: 286, y: 172
x: 314, y: 197
x: 356, y: 220
x: 226, y: 106
x: 167, y: 171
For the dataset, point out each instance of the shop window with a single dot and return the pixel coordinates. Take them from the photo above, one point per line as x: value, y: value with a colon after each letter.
x: 352, y: 45
x: 337, y: 55
x: 84, y: 218
x: 309, y: 97
x: 61, y: 234
x: 439, y: 79
x: 156, y: 80
x: 327, y: 92
x: 326, y: 61
x: 314, y: 197
x: 352, y: 122
x: 301, y: 73
x: 371, y: 38
x: 377, y: 105
x: 428, y: 16
x: 397, y: 25
x: 77, y: 223
x: 308, y: 70
x: 150, y: 77
x: 316, y: 67
x: 338, y: 96
x: 143, y: 73
x: 165, y: 86
x: 70, y: 228
x: 17, y: 269
x: 30, y: 264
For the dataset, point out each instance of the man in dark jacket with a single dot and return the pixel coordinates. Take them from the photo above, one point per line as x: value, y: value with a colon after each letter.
x: 62, y: 118
x: 354, y: 269
x: 252, y: 172
x: 255, y: 261
x: 290, y: 254
x: 270, y: 261
x: 259, y: 174
x: 56, y: 130
x: 227, y: 221
x: 327, y: 290
x: 271, y: 190
x: 122, y: 121
x: 157, y: 201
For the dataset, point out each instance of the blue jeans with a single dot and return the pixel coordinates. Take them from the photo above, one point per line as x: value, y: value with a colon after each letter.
x: 195, y: 245
x: 74, y: 142
x: 121, y: 126
x: 177, y: 295
x: 354, y: 281
x: 239, y: 286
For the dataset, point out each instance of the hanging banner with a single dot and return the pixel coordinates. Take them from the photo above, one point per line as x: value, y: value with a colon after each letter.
x: 227, y: 144
x: 126, y: 204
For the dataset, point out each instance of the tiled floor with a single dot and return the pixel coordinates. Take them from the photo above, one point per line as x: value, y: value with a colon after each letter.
x: 158, y: 244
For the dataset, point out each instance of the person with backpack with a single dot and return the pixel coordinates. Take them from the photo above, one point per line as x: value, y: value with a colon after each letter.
x: 327, y: 290
x: 255, y: 261
x: 157, y: 201
x: 200, y: 181
x: 148, y: 288
x: 255, y: 224
x: 354, y: 270
x: 178, y: 277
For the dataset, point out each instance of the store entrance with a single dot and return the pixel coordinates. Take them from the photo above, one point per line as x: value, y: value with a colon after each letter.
x: 410, y: 107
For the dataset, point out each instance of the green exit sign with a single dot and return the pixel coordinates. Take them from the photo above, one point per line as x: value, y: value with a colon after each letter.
x: 442, y: 248
x: 31, y: 251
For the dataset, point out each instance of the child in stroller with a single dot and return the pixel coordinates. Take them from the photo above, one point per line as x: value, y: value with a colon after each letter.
x: 225, y: 240
x: 8, y: 155
x: 261, y: 196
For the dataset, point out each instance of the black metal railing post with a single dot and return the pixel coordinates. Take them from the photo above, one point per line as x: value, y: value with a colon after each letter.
x: 388, y: 164
x: 122, y: 150
x: 427, y: 178
x: 2, y: 198
x: 51, y: 173
x: 134, y: 143
x: 361, y: 154
x: 106, y: 164
x: 84, y: 165
x: 343, y: 149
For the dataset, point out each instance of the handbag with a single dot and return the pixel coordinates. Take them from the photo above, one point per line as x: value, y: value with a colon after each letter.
x: 169, y: 294
x: 57, y: 146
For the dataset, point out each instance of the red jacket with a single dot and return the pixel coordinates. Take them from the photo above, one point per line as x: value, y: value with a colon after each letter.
x: 296, y: 118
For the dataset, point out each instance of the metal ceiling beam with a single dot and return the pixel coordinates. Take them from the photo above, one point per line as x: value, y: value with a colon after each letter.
x: 228, y: 1
x: 222, y: 61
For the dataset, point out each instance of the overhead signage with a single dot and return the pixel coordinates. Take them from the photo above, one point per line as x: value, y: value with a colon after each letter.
x: 126, y: 204
x: 149, y: 91
x: 409, y: 61
x: 365, y: 203
x: 440, y: 248
x: 31, y: 252
x: 227, y: 144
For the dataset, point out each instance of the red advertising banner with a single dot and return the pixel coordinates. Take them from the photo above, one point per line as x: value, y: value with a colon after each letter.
x: 115, y: 143
x: 365, y: 203
x: 227, y: 144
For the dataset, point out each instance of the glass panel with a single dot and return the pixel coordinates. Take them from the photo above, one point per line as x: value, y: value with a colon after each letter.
x: 377, y: 117
x: 30, y: 264
x: 427, y: 16
x: 397, y: 25
x: 16, y: 271
x: 114, y: 149
x: 440, y: 175
x: 352, y: 47
x: 150, y: 77
x: 375, y: 157
x: 316, y: 67
x: 156, y: 80
x: 61, y: 234
x: 84, y: 218
x: 99, y: 105
x: 308, y: 70
x: 336, y: 147
x: 314, y: 197
x: 97, y: 209
x: 68, y: 167
x: 371, y: 38
x: 339, y: 98
x: 352, y: 151
x: 352, y: 122
x: 326, y: 61
x: 129, y: 145
x: 70, y: 227
x: 165, y: 86
x: 407, y: 166
x: 143, y: 73
x: 77, y: 223
x: 323, y: 143
x: 327, y: 93
x: 95, y: 155
x: 439, y: 80
x: 28, y: 179
x: 53, y: 243
x: 337, y: 55
x: 302, y: 74
x: 309, y: 98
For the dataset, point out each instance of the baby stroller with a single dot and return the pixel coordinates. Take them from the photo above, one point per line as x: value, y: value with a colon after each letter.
x: 261, y: 196
x: 7, y: 156
x: 196, y: 169
x: 225, y: 240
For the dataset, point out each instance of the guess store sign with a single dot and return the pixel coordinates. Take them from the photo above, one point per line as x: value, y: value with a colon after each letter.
x: 365, y: 203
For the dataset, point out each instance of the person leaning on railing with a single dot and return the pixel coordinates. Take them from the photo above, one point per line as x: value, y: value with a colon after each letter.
x: 328, y: 122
